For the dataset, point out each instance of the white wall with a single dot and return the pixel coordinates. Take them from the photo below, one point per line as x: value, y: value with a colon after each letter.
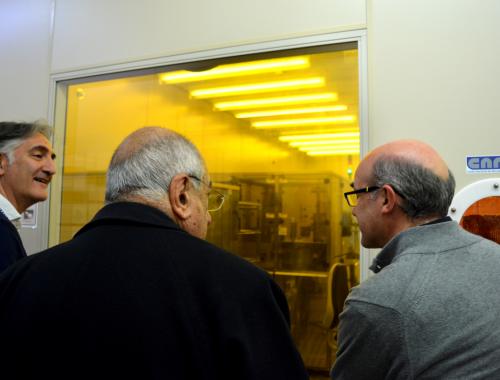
x: 434, y: 74
x: 102, y: 32
x: 24, y: 58
x: 25, y: 28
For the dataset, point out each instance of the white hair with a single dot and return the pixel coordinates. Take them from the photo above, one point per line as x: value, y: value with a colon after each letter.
x: 148, y: 171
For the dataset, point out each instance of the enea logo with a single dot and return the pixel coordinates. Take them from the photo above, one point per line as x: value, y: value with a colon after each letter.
x: 483, y: 164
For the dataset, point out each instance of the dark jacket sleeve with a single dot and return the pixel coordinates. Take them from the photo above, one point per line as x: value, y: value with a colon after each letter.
x: 11, y: 248
x: 371, y: 344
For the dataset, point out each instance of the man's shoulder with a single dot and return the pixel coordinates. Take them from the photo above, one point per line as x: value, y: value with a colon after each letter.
x: 423, y: 265
x: 484, y: 244
x: 154, y: 247
x: 218, y: 261
x: 4, y: 221
x: 11, y: 246
x: 385, y: 288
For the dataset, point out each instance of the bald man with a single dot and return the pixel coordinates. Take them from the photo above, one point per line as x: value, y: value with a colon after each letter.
x: 138, y: 294
x: 431, y: 309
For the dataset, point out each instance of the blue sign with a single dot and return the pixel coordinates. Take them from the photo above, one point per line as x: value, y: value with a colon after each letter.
x: 483, y: 164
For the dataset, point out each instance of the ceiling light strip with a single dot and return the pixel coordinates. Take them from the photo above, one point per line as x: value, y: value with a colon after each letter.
x: 216, y: 92
x: 319, y: 130
x: 237, y: 69
x: 301, y: 122
x: 305, y: 143
x: 329, y: 147
x: 266, y: 102
x: 318, y: 136
x: 333, y: 152
x: 290, y: 111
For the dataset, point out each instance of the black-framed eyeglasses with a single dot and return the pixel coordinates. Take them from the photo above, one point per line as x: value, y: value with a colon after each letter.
x: 215, y: 198
x: 352, y: 196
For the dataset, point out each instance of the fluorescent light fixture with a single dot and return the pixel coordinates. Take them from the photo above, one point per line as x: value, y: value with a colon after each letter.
x: 333, y: 152
x: 306, y: 143
x: 253, y: 88
x: 319, y: 130
x: 290, y: 111
x: 266, y: 102
x: 318, y: 136
x: 237, y: 69
x: 301, y: 122
x: 329, y: 147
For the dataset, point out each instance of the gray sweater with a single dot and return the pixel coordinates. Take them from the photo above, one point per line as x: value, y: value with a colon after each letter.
x: 431, y: 312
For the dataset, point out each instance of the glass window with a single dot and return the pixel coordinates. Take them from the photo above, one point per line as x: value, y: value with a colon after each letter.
x: 280, y: 136
x: 483, y: 218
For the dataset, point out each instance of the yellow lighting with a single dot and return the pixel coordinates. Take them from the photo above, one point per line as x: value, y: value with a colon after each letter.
x: 258, y: 87
x: 300, y: 122
x: 329, y: 147
x: 266, y: 102
x: 319, y: 136
x: 323, y: 142
x: 291, y: 111
x: 237, y: 69
x: 333, y: 152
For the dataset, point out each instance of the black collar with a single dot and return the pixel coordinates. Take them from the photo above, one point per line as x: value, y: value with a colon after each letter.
x: 436, y: 221
x: 130, y: 213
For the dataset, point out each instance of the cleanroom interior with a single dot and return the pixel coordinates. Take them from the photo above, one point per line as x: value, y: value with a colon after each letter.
x: 280, y: 135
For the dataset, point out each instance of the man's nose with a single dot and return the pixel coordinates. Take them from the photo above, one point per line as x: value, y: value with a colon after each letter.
x: 50, y: 166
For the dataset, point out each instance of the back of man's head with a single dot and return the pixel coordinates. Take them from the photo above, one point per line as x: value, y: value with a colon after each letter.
x: 424, y: 193
x: 12, y: 134
x: 144, y: 164
x: 418, y: 174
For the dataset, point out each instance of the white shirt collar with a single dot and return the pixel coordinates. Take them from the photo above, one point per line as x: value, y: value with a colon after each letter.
x: 8, y: 209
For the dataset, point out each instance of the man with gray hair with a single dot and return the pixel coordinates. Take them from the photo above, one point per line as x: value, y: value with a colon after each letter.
x: 26, y: 169
x: 138, y: 293
x: 431, y: 309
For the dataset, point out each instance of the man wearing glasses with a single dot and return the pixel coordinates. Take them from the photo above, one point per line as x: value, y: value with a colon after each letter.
x: 138, y: 293
x: 431, y: 309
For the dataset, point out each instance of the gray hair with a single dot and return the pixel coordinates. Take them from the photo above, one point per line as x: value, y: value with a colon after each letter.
x: 424, y: 193
x: 13, y: 134
x: 148, y: 171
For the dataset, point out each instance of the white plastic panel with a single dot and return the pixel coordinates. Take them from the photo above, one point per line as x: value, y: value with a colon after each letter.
x: 472, y: 193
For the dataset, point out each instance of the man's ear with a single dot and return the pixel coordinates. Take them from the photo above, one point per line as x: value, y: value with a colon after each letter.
x: 179, y: 197
x: 390, y: 200
x: 4, y: 163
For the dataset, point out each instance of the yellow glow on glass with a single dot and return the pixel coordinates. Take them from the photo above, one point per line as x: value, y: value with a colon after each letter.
x: 253, y: 88
x: 237, y: 69
x: 290, y: 111
x: 318, y: 136
x: 283, y: 100
x: 300, y: 122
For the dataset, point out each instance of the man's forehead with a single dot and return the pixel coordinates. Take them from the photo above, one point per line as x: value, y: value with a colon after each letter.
x: 39, y: 142
x: 362, y: 174
x: 37, y: 138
